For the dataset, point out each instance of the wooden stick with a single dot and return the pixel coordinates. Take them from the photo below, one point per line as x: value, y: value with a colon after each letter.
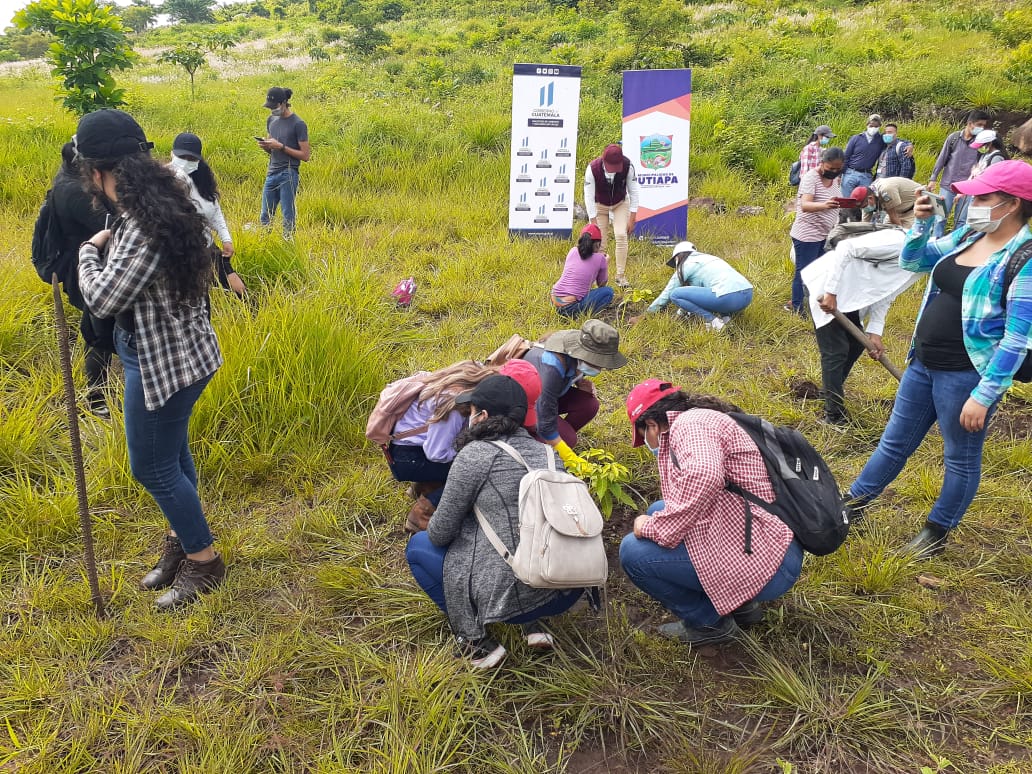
x: 860, y: 336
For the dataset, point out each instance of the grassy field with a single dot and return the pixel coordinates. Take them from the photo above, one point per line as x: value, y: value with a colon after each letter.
x: 321, y: 654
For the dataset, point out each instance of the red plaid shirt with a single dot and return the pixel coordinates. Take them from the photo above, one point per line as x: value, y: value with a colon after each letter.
x: 710, y: 450
x: 810, y: 157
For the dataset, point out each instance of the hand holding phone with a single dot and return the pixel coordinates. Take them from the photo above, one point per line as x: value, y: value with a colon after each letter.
x: 929, y: 205
x: 259, y: 139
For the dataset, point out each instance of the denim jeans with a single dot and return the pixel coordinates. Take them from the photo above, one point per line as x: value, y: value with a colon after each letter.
x: 940, y: 223
x: 159, y: 450
x: 668, y: 576
x: 427, y: 564
x: 596, y: 300
x: 805, y: 254
x: 410, y: 464
x: 852, y: 178
x: 703, y: 302
x: 925, y: 397
x: 280, y: 189
x: 839, y: 352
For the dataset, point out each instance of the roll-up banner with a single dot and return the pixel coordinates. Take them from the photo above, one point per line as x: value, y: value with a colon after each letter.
x: 545, y: 103
x: 656, y: 128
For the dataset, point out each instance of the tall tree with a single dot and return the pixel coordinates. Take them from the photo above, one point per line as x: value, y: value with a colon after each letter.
x: 189, y: 10
x: 90, y: 42
x: 138, y: 16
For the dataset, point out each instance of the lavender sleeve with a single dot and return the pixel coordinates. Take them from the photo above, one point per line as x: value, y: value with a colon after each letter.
x: 440, y: 438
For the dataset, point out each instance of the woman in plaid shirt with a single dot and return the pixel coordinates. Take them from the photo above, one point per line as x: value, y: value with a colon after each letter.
x: 151, y: 271
x: 971, y: 337
x: 689, y: 551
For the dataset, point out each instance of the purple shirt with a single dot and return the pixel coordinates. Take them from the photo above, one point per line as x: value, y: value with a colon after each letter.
x: 438, y: 441
x: 579, y: 274
x: 955, y: 160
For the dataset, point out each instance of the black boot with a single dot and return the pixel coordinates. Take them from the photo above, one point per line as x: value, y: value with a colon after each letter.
x: 164, y: 572
x: 194, y: 579
x: 930, y: 541
x: 855, y: 509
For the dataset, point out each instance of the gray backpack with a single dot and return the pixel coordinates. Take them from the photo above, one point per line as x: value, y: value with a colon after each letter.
x: 560, y: 530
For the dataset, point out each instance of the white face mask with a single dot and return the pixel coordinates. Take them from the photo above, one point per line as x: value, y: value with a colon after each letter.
x: 872, y: 131
x: 980, y: 218
x: 277, y: 112
x: 184, y: 164
x: 470, y: 422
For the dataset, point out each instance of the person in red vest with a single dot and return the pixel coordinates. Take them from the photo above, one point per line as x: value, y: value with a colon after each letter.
x: 611, y: 193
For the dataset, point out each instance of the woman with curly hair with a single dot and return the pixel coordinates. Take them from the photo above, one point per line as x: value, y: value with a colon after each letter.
x: 151, y: 271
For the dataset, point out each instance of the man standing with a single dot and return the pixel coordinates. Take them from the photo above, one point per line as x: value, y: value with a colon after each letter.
x: 611, y: 193
x: 955, y: 161
x: 862, y: 154
x: 897, y: 160
x: 286, y: 142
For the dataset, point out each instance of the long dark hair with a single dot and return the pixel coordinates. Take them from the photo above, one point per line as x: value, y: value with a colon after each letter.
x: 491, y: 429
x: 586, y: 246
x: 204, y: 180
x: 150, y: 194
x: 680, y: 401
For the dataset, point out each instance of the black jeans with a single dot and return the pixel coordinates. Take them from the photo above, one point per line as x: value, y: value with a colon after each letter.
x: 409, y: 463
x: 839, y: 351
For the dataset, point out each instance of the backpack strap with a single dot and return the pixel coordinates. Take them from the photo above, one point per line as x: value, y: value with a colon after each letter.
x: 519, y: 457
x: 409, y: 433
x: 1014, y: 266
x: 492, y: 536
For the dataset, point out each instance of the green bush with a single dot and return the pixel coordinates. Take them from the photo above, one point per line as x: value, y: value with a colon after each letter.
x: 1015, y: 27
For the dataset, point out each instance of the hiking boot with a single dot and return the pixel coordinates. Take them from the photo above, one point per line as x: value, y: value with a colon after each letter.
x: 855, y: 509
x: 483, y: 653
x: 194, y: 579
x: 726, y: 630
x: 537, y: 637
x: 749, y: 614
x: 621, y: 280
x: 419, y: 515
x: 165, y: 571
x: 929, y: 542
x: 97, y: 404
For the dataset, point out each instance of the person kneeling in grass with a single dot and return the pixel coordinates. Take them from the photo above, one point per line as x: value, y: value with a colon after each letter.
x: 585, y: 264
x: 689, y: 552
x: 453, y: 562
x: 703, y: 285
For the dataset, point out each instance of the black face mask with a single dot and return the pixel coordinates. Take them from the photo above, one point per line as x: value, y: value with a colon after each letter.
x: 829, y: 175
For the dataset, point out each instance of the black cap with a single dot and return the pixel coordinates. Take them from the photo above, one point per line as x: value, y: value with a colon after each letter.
x: 275, y: 96
x: 499, y: 396
x: 187, y: 144
x: 109, y: 134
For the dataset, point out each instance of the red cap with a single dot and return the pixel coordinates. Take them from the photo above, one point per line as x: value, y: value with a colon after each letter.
x: 642, y: 398
x: 528, y: 378
x: 595, y: 231
x: 1012, y: 177
x: 612, y: 158
x: 860, y: 193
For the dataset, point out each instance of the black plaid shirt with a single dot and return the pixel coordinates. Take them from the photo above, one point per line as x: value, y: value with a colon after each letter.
x: 175, y: 342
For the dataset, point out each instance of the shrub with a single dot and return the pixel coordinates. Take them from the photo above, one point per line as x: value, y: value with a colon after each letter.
x: 1015, y: 27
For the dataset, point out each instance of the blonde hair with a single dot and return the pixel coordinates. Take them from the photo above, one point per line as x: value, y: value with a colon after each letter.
x: 443, y: 385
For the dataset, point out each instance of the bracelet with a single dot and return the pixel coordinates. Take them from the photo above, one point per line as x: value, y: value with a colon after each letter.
x: 91, y: 244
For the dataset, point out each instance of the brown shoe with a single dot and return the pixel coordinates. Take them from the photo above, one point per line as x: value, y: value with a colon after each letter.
x: 419, y: 515
x: 194, y: 579
x: 165, y: 571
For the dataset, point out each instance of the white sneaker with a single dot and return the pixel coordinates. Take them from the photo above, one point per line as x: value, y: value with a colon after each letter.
x: 716, y: 324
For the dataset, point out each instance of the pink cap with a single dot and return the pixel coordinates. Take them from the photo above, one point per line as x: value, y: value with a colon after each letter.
x: 642, y: 398
x: 528, y: 378
x: 1012, y: 177
x: 595, y: 231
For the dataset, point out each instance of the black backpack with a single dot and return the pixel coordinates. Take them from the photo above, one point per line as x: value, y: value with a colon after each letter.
x: 793, y: 173
x: 806, y: 495
x: 1014, y: 265
x: 47, y: 240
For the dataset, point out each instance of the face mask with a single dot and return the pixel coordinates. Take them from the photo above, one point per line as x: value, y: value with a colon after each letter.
x: 981, y: 218
x: 869, y: 209
x: 985, y: 149
x: 187, y: 166
x: 824, y: 140
x: 829, y: 174
x: 654, y: 450
x: 470, y: 423
x: 888, y: 138
x: 589, y: 371
x: 277, y: 112
x: 872, y: 130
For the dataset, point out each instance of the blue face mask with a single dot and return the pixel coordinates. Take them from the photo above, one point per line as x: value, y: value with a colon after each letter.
x: 588, y: 371
x: 654, y: 450
x: 888, y: 138
x: 824, y: 140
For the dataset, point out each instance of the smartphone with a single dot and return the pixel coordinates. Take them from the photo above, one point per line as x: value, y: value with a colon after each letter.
x: 937, y: 202
x: 259, y: 139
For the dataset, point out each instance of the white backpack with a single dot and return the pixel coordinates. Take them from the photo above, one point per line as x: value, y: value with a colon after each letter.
x: 560, y: 530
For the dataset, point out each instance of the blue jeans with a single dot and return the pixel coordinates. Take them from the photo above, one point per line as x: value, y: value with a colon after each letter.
x: 925, y: 397
x: 280, y: 190
x: 596, y: 300
x: 159, y: 449
x: 705, y: 304
x: 940, y: 223
x: 805, y: 254
x: 668, y: 576
x: 427, y: 564
x: 852, y: 178
x: 410, y: 464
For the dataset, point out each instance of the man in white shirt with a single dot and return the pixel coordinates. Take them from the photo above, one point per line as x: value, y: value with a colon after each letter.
x: 611, y: 192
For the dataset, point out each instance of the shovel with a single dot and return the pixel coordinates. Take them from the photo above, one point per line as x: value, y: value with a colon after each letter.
x: 73, y: 429
x: 860, y: 336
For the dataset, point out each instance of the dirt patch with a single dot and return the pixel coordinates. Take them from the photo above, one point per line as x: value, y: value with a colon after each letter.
x: 804, y: 389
